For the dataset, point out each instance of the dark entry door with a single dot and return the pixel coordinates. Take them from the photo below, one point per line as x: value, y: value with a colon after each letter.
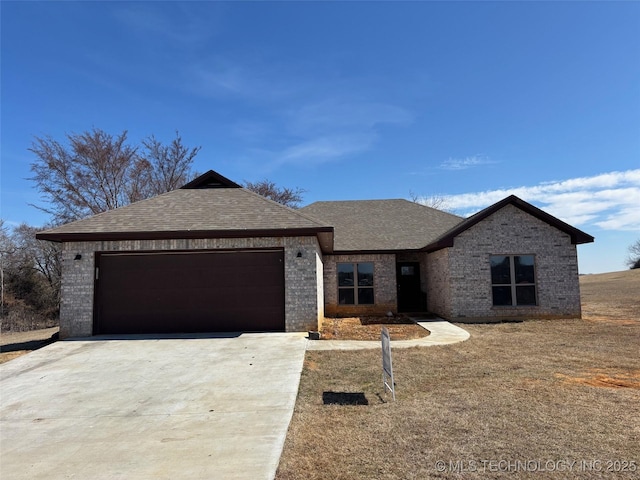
x: 174, y: 292
x: 409, y: 292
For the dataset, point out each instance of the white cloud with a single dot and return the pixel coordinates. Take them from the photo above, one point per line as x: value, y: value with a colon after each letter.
x: 610, y: 201
x: 256, y: 78
x: 223, y: 79
x: 309, y: 109
x: 340, y: 114
x: 334, y: 128
x: 183, y: 26
x: 465, y: 163
x: 323, y: 149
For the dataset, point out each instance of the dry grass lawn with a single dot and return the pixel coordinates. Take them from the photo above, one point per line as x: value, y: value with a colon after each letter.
x: 517, y: 400
x: 611, y: 297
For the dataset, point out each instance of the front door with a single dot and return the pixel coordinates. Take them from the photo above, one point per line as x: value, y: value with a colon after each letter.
x: 409, y: 292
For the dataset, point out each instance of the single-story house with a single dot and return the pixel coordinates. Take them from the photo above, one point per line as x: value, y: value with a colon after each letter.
x: 213, y: 256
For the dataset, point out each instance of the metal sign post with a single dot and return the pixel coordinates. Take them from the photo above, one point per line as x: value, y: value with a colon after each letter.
x: 387, y: 367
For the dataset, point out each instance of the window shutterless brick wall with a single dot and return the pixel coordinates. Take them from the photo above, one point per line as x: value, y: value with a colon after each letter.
x: 438, y: 283
x: 319, y: 290
x: 384, y: 285
x: 303, y: 276
x: 509, y: 231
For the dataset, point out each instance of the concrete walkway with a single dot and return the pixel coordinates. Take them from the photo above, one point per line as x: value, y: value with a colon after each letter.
x: 197, y: 407
x: 442, y: 333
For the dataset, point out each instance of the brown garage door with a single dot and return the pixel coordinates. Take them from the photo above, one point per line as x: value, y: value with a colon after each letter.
x: 189, y: 292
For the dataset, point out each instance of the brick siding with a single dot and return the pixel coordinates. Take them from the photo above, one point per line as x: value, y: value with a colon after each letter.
x: 438, y: 284
x: 303, y: 276
x: 384, y: 285
x: 459, y: 277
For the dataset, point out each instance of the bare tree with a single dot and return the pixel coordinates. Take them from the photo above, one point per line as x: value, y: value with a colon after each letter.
x: 170, y: 165
x: 633, y: 261
x: 90, y: 175
x: 7, y: 249
x: 96, y: 172
x: 439, y: 202
x: 290, y: 197
x: 30, y: 277
x: 40, y: 255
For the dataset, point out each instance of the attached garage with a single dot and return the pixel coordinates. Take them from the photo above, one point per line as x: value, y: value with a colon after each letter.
x: 208, y: 257
x: 189, y: 291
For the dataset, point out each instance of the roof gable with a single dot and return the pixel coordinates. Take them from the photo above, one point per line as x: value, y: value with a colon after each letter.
x: 211, y: 179
x: 446, y: 239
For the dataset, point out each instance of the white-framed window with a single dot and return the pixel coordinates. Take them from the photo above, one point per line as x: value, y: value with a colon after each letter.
x: 513, y: 280
x: 355, y: 283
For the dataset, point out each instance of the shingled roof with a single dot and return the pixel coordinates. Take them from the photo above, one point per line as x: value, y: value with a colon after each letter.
x: 210, y: 208
x: 213, y: 206
x: 381, y: 225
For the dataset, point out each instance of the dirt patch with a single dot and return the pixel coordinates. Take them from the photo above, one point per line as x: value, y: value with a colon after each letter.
x: 597, y: 377
x: 16, y: 344
x: 369, y: 328
x: 310, y: 364
x: 6, y: 356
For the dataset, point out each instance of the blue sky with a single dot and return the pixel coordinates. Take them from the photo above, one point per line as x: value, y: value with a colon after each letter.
x: 355, y: 100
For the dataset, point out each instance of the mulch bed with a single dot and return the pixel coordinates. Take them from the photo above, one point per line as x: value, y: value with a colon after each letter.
x: 369, y: 328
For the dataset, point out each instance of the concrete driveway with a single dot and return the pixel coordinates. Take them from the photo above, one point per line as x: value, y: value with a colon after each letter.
x: 150, y: 408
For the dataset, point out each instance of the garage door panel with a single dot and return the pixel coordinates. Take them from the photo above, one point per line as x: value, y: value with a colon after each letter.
x: 190, y: 292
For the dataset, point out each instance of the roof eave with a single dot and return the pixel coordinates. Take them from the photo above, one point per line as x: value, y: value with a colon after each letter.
x: 324, y: 234
x: 384, y: 251
x: 439, y: 245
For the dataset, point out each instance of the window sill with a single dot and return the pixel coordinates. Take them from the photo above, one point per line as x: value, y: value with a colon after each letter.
x: 506, y: 307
